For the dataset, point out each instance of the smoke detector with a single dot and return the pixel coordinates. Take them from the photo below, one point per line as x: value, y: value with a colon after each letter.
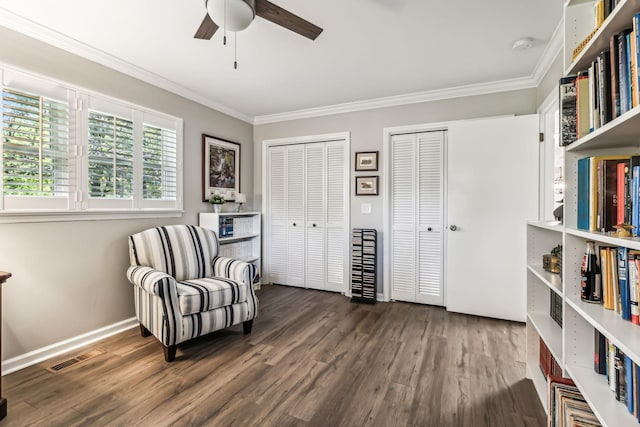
x: 522, y: 43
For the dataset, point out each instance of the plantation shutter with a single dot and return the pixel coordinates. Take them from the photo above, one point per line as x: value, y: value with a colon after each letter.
x: 110, y: 156
x: 159, y: 179
x: 37, y: 171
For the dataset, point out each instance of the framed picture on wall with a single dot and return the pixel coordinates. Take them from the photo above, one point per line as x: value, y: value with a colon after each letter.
x: 367, y: 161
x: 220, y: 168
x: 366, y: 185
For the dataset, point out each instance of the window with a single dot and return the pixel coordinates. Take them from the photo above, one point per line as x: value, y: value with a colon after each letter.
x: 65, y: 151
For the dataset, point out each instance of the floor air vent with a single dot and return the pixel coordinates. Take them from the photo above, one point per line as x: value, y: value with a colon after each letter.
x: 74, y: 361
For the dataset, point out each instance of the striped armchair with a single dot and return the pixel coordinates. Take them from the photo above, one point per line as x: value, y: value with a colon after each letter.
x: 183, y: 289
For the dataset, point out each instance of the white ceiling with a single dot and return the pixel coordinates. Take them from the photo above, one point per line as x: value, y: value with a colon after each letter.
x: 369, y: 49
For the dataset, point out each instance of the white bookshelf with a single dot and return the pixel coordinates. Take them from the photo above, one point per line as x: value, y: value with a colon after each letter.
x: 580, y: 319
x: 245, y: 241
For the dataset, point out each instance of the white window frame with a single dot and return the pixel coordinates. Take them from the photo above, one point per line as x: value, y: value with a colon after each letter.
x: 78, y: 205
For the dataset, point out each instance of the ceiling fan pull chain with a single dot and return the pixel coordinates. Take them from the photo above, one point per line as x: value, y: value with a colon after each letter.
x: 224, y: 39
x: 235, y: 53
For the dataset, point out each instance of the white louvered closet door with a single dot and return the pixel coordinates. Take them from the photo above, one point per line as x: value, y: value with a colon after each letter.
x: 403, y: 227
x: 337, y: 241
x: 315, y: 224
x: 416, y: 217
x: 295, y: 216
x: 276, y: 256
x: 430, y: 146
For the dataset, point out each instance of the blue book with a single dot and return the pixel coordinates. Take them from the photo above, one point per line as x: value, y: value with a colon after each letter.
x: 583, y: 193
x: 629, y: 74
x: 637, y: 384
x: 629, y: 383
x: 623, y: 258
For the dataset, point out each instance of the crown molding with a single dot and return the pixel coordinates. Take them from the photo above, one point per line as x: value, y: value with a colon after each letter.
x: 393, y: 101
x: 551, y: 52
x: 29, y: 28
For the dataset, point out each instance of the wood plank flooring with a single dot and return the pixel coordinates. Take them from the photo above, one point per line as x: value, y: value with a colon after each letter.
x: 313, y: 359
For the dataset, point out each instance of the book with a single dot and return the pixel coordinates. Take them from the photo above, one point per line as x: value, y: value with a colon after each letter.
x: 617, y: 305
x: 584, y: 174
x: 567, y: 110
x: 594, y: 108
x: 582, y: 104
x: 629, y: 383
x: 608, y: 199
x: 633, y: 69
x: 623, y: 258
x: 600, y: 353
x: 634, y: 258
x: 604, y: 87
x: 614, y: 71
x: 607, y: 282
x: 621, y: 180
x: 597, y: 184
x: 623, y: 76
x: 635, y: 198
x: 636, y: 30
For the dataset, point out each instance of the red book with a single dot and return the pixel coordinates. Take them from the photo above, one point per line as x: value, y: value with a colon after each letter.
x: 621, y: 180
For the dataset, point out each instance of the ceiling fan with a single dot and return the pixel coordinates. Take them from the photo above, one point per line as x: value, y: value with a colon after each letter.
x: 236, y: 15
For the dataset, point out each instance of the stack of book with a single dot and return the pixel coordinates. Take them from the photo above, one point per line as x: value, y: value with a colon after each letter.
x: 621, y: 372
x: 606, y: 90
x: 567, y: 406
x: 226, y: 227
x: 608, y: 192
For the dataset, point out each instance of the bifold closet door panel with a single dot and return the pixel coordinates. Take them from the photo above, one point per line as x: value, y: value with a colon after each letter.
x: 276, y: 254
x: 337, y: 197
x: 296, y: 243
x: 316, y: 265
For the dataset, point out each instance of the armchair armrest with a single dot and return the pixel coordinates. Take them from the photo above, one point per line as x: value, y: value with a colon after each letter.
x: 240, y: 271
x: 150, y: 279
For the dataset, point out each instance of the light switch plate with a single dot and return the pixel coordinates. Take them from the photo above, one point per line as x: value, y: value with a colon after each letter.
x: 366, y: 208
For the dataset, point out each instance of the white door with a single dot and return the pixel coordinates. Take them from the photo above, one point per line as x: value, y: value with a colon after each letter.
x: 337, y: 239
x: 492, y: 174
x: 295, y: 216
x: 417, y: 191
x: 316, y: 265
x: 276, y: 254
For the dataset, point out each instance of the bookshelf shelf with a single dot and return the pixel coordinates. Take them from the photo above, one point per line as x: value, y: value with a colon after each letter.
x: 553, y: 281
x: 547, y: 225
x: 606, y: 238
x: 552, y: 333
x: 238, y: 237
x: 620, y: 132
x: 624, y: 334
x: 596, y: 392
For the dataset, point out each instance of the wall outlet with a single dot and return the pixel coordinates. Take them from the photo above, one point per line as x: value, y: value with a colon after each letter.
x: 366, y: 208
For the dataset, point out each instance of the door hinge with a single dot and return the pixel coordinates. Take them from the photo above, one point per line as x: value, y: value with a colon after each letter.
x: 541, y: 136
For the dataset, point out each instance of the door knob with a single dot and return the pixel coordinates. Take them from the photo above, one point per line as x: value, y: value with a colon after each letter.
x: 314, y: 225
x: 429, y: 229
x: 453, y: 227
x: 294, y: 224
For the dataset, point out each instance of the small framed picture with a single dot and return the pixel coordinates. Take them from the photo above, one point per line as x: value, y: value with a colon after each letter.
x: 367, y: 161
x: 220, y: 168
x: 366, y: 185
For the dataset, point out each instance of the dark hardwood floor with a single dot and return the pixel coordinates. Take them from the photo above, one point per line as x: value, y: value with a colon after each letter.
x: 313, y: 359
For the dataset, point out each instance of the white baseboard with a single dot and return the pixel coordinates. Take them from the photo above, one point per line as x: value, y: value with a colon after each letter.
x: 380, y: 296
x: 53, y: 350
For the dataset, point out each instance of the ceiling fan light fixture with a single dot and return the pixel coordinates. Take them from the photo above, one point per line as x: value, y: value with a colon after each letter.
x: 239, y: 13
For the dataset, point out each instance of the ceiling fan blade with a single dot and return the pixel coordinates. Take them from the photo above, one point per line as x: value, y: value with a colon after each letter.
x: 269, y: 11
x: 207, y: 29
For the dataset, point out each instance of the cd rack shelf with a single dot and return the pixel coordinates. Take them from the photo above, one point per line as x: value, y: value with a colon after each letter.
x: 364, y: 265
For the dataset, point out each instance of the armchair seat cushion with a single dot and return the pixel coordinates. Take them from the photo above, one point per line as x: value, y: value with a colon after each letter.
x: 209, y: 293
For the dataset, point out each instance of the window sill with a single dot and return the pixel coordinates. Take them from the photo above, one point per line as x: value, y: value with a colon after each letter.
x: 94, y: 215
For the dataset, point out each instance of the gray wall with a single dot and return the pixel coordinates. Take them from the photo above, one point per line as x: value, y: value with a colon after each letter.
x: 366, y: 128
x: 69, y: 277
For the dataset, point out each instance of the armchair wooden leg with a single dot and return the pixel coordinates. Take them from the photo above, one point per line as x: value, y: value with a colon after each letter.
x: 246, y: 326
x: 170, y: 353
x: 144, y: 331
